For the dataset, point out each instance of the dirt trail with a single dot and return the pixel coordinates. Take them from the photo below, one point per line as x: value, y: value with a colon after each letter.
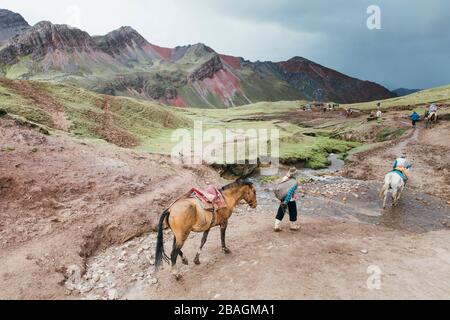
x: 346, y: 241
x: 328, y: 259
x: 63, y: 199
x: 112, y: 133
x: 427, y: 149
x: 76, y: 217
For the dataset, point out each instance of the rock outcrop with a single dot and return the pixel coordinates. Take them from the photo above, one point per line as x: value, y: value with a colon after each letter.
x: 11, y: 25
x: 207, y: 69
x: 126, y: 43
x: 44, y: 38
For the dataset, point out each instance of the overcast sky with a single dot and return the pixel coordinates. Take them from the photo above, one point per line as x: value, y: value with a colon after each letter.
x: 412, y: 48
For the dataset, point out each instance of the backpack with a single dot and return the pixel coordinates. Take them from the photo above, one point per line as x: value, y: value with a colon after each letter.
x: 281, y: 190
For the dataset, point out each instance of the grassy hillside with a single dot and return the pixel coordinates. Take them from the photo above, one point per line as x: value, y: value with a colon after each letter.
x: 434, y: 95
x: 90, y: 115
x: 305, y: 137
x: 308, y: 144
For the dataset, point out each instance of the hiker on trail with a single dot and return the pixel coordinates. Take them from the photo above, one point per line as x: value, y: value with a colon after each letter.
x: 402, y: 166
x: 379, y: 115
x: 414, y: 118
x: 289, y: 202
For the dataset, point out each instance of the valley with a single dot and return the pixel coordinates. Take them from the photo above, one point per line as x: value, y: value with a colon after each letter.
x: 79, y: 198
x: 87, y: 129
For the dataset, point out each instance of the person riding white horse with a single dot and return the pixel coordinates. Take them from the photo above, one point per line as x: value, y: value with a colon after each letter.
x: 432, y: 110
x: 395, y: 181
x: 402, y: 166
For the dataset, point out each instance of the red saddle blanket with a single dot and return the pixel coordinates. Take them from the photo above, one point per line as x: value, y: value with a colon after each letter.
x: 211, y: 198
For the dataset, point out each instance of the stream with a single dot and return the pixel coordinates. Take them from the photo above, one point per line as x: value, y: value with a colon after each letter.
x: 330, y: 195
x: 124, y: 270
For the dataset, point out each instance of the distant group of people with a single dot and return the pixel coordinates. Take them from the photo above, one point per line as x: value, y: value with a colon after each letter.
x: 431, y: 111
x: 289, y: 199
x: 320, y: 106
x: 414, y: 117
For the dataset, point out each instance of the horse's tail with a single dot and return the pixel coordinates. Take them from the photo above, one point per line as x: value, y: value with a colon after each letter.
x: 160, y: 254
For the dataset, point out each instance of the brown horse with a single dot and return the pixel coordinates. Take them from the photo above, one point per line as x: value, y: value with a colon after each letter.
x: 186, y: 216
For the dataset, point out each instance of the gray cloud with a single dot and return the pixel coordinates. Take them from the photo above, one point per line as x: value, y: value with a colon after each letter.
x: 412, y: 49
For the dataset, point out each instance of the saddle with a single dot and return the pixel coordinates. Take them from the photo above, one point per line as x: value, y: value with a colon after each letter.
x: 402, y: 172
x: 210, y: 199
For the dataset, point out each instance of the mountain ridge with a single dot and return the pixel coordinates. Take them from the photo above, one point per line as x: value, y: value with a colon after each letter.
x: 123, y: 62
x: 11, y: 24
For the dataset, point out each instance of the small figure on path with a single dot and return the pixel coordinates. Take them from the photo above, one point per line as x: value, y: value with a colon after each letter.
x: 288, y: 201
x: 414, y: 118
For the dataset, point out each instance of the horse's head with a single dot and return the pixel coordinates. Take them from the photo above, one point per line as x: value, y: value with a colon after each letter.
x: 250, y: 194
x: 243, y: 189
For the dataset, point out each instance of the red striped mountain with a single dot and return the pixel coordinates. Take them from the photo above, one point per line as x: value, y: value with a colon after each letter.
x: 125, y: 63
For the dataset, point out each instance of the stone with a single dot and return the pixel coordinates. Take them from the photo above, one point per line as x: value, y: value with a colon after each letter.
x: 112, y: 294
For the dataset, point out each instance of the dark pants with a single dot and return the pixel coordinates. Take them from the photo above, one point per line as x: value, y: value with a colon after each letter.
x: 292, y: 207
x: 414, y: 123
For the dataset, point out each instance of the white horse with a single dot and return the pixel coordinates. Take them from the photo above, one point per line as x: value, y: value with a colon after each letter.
x: 393, y: 184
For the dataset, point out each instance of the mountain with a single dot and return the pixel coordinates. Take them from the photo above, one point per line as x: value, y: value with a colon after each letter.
x: 123, y: 62
x: 320, y: 83
x: 404, y: 92
x: 11, y: 25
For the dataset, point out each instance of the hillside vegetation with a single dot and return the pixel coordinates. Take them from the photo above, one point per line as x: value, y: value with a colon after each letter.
x: 120, y: 120
x: 439, y: 95
x: 305, y: 137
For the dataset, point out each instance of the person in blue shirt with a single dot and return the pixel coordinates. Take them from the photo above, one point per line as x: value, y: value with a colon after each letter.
x: 289, y: 203
x: 414, y: 118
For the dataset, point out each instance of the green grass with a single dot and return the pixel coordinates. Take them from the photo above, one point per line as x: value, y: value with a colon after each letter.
x: 16, y: 104
x: 143, y: 119
x: 147, y: 121
x: 19, y: 69
x: 389, y: 134
x: 153, y: 124
x: 314, y: 151
x: 263, y: 108
x: 434, y: 95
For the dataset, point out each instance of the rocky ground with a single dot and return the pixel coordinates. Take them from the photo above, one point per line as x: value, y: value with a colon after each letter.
x: 77, y: 219
x: 63, y: 199
x: 427, y: 149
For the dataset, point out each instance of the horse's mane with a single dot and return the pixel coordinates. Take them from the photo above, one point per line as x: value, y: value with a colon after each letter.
x: 238, y: 183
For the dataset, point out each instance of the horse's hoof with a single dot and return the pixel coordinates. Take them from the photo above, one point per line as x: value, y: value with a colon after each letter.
x: 226, y: 250
x: 185, y: 261
x: 178, y: 277
x: 197, y: 260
